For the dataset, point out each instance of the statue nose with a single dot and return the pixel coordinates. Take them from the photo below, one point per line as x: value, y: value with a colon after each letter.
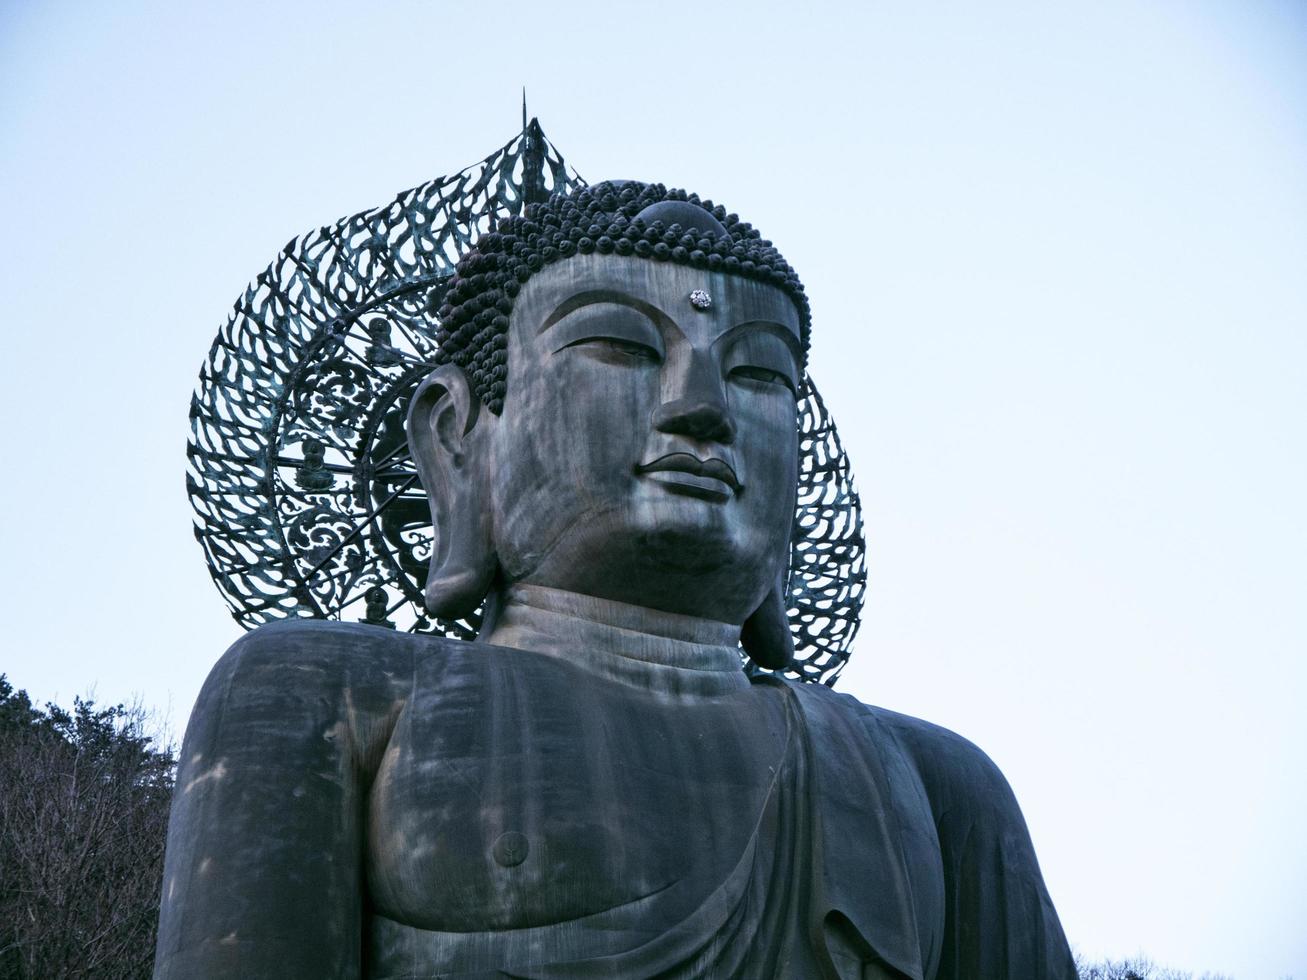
x: 705, y: 420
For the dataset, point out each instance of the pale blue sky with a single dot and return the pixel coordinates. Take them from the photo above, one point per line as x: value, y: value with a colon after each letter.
x: 1055, y: 254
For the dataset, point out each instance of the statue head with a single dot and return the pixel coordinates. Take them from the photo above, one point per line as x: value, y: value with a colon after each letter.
x: 615, y: 414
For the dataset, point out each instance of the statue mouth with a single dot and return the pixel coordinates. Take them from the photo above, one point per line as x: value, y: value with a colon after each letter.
x: 708, y: 479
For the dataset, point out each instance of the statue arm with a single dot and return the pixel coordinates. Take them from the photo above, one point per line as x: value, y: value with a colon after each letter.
x: 999, y: 920
x: 263, y: 875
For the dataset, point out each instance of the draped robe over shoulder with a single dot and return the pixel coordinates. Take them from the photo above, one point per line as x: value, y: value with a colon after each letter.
x: 654, y: 813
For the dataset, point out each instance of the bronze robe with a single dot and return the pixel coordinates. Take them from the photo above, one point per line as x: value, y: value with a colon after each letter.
x: 500, y: 813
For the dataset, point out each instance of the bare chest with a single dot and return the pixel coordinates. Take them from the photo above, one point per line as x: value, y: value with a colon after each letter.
x: 503, y: 806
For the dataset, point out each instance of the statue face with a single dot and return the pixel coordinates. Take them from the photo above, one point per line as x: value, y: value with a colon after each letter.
x: 647, y: 448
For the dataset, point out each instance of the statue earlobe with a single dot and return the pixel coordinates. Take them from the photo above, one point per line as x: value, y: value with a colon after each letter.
x: 451, y: 464
x: 766, y: 635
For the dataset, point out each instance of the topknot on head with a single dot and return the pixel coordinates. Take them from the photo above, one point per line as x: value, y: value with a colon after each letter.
x: 621, y: 217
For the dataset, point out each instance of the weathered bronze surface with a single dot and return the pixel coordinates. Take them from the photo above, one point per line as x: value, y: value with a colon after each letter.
x: 592, y: 786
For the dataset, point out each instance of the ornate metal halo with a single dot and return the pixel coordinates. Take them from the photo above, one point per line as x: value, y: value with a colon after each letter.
x: 306, y: 501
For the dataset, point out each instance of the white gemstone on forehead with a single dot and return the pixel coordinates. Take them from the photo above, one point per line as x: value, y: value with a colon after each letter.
x: 700, y: 299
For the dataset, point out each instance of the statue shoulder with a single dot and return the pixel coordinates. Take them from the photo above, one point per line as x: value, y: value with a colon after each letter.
x: 326, y: 645
x: 951, y: 768
x: 956, y: 814
x: 267, y: 819
x: 948, y: 763
x: 318, y: 651
x: 1000, y: 919
x: 299, y: 666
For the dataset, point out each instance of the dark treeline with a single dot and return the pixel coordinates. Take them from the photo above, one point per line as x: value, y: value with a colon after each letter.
x: 84, y: 800
x: 1136, y: 968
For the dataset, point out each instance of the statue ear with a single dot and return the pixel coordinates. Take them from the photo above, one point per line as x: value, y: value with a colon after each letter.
x: 451, y: 463
x: 766, y: 635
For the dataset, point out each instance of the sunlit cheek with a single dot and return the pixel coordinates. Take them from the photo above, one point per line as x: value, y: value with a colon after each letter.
x: 767, y: 439
x: 766, y: 421
x: 594, y: 418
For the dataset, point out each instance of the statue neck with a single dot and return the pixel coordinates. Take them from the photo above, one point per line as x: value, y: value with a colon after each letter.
x: 662, y: 651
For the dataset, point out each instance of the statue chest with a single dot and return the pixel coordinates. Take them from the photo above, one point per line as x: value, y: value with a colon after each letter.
x: 508, y: 799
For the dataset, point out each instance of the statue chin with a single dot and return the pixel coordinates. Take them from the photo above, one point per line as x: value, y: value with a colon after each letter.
x: 669, y: 553
x: 690, y: 552
x: 670, y: 569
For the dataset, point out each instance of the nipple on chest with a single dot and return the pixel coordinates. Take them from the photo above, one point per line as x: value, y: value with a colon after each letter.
x: 510, y: 849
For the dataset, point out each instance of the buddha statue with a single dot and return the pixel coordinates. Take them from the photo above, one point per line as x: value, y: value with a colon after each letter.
x: 593, y: 787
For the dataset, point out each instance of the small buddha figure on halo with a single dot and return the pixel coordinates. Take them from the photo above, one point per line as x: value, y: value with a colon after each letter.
x: 593, y: 787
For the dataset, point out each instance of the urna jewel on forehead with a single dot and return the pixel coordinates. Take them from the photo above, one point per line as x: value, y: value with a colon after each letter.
x: 306, y: 501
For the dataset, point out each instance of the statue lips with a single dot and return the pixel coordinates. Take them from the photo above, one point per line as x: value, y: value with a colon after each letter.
x: 709, y: 479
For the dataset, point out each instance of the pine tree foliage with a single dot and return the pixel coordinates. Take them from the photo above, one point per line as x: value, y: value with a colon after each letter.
x: 1136, y: 968
x: 84, y: 798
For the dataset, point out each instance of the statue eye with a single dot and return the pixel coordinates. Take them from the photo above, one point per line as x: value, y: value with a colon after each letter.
x: 763, y: 375
x: 758, y: 358
x: 618, y: 349
x: 611, y: 332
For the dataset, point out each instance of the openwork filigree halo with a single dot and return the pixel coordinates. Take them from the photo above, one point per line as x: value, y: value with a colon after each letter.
x: 306, y: 501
